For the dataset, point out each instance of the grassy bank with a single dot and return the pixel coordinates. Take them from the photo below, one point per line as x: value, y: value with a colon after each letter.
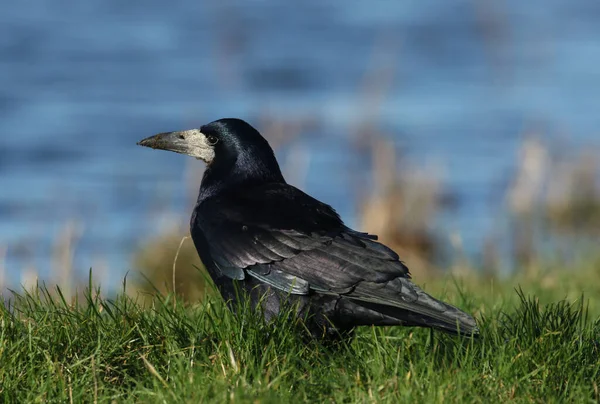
x: 540, y: 348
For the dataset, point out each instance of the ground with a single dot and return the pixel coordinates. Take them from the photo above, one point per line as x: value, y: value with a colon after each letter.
x: 539, y: 342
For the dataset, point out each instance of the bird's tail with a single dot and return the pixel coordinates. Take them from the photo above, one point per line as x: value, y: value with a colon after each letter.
x: 401, y: 302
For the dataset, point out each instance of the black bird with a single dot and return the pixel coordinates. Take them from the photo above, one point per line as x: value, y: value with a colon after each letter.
x: 281, y: 245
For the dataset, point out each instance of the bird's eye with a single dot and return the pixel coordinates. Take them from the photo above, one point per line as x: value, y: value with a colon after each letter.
x: 212, y: 140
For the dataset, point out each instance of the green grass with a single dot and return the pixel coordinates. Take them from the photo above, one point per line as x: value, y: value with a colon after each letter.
x: 102, y: 350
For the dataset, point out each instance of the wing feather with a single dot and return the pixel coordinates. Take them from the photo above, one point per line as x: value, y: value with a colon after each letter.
x: 286, y: 239
x: 304, y: 247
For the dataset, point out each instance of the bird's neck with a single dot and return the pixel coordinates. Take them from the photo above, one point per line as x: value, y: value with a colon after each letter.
x: 235, y: 174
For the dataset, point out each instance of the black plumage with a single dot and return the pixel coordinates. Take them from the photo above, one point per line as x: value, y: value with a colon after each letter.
x: 281, y: 245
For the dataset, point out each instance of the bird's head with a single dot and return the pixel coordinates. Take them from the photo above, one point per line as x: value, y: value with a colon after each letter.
x: 230, y: 147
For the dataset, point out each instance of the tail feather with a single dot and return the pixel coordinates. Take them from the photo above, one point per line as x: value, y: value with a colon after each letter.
x: 401, y: 302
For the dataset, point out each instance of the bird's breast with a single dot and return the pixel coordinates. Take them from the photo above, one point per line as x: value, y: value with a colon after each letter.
x: 199, y: 238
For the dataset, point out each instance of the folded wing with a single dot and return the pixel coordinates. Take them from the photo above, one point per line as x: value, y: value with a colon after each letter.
x: 299, y: 245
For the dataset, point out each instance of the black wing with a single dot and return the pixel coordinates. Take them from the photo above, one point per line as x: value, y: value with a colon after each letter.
x: 289, y: 240
x: 280, y: 228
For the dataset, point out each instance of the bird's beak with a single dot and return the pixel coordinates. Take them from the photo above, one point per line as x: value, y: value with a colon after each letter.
x: 172, y: 141
x: 190, y: 142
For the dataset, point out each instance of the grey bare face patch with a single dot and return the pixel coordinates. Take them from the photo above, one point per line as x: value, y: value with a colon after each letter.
x: 198, y: 145
x: 191, y: 142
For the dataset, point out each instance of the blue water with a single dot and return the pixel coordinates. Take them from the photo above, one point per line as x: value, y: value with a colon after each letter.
x: 81, y: 82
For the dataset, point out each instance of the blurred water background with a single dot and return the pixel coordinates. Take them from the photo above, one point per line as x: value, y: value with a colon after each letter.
x: 456, y: 90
